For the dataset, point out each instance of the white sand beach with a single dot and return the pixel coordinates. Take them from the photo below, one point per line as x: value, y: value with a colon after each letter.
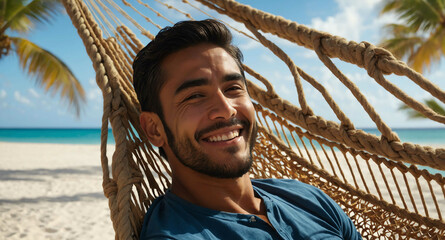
x: 52, y: 191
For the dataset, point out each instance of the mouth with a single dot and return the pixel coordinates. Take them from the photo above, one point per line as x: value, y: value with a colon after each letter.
x: 223, y: 133
x: 223, y: 137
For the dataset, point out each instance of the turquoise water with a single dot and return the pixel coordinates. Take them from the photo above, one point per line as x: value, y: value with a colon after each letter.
x: 66, y: 136
x: 417, y: 135
x: 92, y: 135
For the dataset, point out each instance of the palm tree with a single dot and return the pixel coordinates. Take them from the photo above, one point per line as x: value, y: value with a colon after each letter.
x: 20, y: 16
x: 419, y: 38
x: 431, y: 103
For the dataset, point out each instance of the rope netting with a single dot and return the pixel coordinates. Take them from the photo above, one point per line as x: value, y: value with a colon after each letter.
x: 374, y: 178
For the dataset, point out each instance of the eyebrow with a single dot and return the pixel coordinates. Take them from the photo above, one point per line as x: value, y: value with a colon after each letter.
x: 192, y: 83
x: 205, y: 81
x: 233, y: 77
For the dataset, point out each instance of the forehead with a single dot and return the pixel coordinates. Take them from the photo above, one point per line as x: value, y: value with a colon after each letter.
x: 200, y: 61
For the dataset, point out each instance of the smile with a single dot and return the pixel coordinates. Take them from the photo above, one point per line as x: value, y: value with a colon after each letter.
x: 224, y: 137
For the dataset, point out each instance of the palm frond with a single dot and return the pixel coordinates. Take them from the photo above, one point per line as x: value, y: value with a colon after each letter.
x: 419, y: 39
x: 420, y: 49
x: 431, y: 103
x: 8, y: 10
x: 402, y: 46
x: 435, y: 106
x: 390, y: 5
x: 421, y: 15
x: 398, y: 29
x: 51, y: 73
x: 412, y: 114
x: 442, y: 40
x: 439, y: 5
x: 19, y: 17
x: 427, y: 53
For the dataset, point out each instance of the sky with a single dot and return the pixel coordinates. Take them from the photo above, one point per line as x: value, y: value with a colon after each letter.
x: 23, y: 104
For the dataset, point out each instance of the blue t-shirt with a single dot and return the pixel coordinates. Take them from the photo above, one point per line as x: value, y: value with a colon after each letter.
x: 295, y: 210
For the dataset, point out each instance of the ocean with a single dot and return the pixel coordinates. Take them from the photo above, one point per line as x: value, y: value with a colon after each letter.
x: 48, y: 135
x: 424, y: 136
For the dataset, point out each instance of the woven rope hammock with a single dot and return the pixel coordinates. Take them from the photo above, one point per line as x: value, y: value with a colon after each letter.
x: 374, y: 179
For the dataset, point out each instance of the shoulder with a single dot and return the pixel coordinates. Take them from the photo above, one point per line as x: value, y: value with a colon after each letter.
x: 296, y: 192
x: 287, y: 186
x: 170, y: 218
x: 310, y: 200
x: 153, y: 213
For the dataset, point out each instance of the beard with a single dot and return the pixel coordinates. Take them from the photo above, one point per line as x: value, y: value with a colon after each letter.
x: 194, y: 158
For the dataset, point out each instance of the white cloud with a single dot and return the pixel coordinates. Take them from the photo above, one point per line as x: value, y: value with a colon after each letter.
x: 33, y: 93
x: 3, y: 94
x: 267, y: 58
x: 21, y: 99
x: 61, y: 112
x: 354, y: 20
x: 47, y: 105
x: 94, y: 93
x: 281, y: 42
x: 249, y: 44
x: 383, y: 99
x: 282, y: 77
x: 309, y: 54
x: 437, y: 77
x: 358, y: 77
x: 92, y: 82
x: 238, y: 26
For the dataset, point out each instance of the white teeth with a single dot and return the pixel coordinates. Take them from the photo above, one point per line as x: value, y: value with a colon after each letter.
x: 224, y: 137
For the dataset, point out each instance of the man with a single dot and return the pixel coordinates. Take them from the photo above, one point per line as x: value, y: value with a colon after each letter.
x: 196, y: 109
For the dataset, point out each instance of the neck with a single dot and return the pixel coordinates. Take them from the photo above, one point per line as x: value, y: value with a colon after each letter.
x: 230, y: 195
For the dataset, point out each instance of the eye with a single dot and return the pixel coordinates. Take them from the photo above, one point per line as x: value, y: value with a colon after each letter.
x: 234, y: 89
x: 193, y: 96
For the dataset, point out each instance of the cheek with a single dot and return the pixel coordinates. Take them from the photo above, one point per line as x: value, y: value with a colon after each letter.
x: 188, y: 120
x: 246, y: 106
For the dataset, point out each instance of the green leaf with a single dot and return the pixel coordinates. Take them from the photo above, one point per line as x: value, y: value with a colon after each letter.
x: 51, y: 73
x: 16, y: 16
x: 435, y: 106
x: 427, y: 53
x: 431, y: 103
x: 418, y: 37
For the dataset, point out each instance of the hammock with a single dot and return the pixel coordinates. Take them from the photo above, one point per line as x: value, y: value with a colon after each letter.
x: 373, y: 178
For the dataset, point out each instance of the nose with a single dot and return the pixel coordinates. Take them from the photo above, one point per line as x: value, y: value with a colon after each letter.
x: 222, y: 107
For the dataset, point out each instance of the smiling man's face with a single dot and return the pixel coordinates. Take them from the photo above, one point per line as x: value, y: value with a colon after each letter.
x: 209, y: 118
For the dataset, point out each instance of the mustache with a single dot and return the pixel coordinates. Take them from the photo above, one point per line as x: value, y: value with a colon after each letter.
x: 222, y: 124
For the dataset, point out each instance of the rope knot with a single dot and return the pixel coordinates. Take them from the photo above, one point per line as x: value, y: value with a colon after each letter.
x: 110, y: 188
x: 370, y: 59
x: 373, y: 58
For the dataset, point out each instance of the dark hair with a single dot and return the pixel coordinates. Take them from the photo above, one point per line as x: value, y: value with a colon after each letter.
x: 147, y: 72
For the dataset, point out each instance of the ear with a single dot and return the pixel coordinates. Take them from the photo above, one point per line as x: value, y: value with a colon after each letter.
x: 153, y: 128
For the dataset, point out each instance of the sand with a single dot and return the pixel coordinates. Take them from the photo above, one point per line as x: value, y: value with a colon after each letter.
x: 52, y: 191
